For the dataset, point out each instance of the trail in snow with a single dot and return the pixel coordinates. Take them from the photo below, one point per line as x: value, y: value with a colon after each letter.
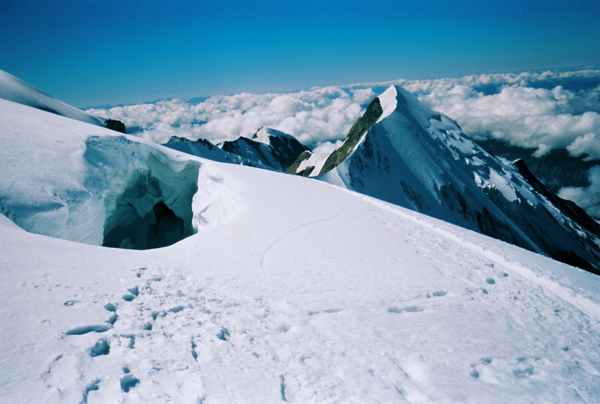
x: 262, y: 258
x: 585, y: 305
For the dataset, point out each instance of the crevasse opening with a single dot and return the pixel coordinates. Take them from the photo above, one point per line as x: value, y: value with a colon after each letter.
x: 147, y: 198
x: 132, y: 226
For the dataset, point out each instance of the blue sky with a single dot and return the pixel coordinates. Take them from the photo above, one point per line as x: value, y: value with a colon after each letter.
x: 95, y: 52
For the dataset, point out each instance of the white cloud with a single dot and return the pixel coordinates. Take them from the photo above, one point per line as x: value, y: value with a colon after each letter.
x: 363, y: 95
x: 527, y: 117
x: 587, y: 198
x: 314, y: 116
x: 542, y: 150
x: 588, y: 144
x: 499, y: 106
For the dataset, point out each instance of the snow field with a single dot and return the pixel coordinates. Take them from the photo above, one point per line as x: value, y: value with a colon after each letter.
x: 291, y: 290
x: 310, y: 293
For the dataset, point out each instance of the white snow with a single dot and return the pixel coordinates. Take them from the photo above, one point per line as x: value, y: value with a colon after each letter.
x: 476, y: 161
x: 292, y: 290
x: 388, y: 102
x: 502, y: 185
x: 86, y: 180
x: 264, y: 134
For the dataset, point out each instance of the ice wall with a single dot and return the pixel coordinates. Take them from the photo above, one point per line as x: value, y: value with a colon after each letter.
x: 147, y: 198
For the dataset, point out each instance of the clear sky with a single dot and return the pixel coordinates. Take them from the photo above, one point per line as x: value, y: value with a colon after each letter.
x: 92, y: 52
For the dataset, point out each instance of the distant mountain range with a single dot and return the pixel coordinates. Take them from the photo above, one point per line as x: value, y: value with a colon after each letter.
x: 268, y: 148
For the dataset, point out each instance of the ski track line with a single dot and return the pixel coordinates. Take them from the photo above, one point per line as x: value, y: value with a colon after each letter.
x: 262, y: 259
x: 568, y: 295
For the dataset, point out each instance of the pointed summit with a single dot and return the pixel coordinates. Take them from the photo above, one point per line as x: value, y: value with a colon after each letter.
x: 402, y: 152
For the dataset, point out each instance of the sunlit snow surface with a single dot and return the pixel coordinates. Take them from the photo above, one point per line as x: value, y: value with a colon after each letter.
x: 291, y: 290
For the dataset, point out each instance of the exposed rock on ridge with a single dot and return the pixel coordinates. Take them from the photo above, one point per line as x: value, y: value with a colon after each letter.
x: 402, y: 152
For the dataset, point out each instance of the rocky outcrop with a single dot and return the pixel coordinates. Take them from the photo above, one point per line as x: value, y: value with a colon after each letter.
x: 268, y: 147
x: 115, y: 125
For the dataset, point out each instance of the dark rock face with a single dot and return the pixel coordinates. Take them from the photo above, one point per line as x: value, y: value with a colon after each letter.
x: 205, y: 149
x: 286, y: 150
x: 280, y: 152
x: 293, y: 169
x: 115, y: 125
x: 272, y: 150
x: 568, y: 208
x: 360, y: 127
x: 555, y: 170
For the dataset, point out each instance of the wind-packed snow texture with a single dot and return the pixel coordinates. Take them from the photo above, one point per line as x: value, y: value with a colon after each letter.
x: 419, y: 159
x: 16, y: 90
x: 290, y: 290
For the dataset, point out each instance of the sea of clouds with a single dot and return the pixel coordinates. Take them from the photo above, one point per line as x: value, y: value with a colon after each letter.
x: 541, y: 111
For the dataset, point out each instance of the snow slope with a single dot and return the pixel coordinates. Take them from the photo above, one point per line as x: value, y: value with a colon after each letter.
x: 16, y: 90
x: 402, y: 152
x: 289, y: 290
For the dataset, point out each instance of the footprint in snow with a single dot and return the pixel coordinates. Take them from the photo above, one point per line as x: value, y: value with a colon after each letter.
x: 128, y: 382
x: 101, y: 347
x: 87, y: 329
x: 408, y: 309
x: 133, y: 293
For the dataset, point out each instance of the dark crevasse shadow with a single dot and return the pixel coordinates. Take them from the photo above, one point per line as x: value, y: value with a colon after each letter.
x: 149, y: 202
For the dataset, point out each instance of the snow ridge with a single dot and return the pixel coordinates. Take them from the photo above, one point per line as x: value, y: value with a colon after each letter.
x: 16, y: 90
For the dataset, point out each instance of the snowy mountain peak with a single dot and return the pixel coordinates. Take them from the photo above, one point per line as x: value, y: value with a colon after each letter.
x: 402, y: 152
x: 287, y: 289
x: 268, y: 147
x: 388, y: 102
x: 264, y: 135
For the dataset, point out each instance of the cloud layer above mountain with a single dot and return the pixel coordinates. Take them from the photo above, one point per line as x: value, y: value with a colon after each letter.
x: 540, y: 111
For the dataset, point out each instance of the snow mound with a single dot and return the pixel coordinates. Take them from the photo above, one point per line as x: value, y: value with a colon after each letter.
x: 16, y: 90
